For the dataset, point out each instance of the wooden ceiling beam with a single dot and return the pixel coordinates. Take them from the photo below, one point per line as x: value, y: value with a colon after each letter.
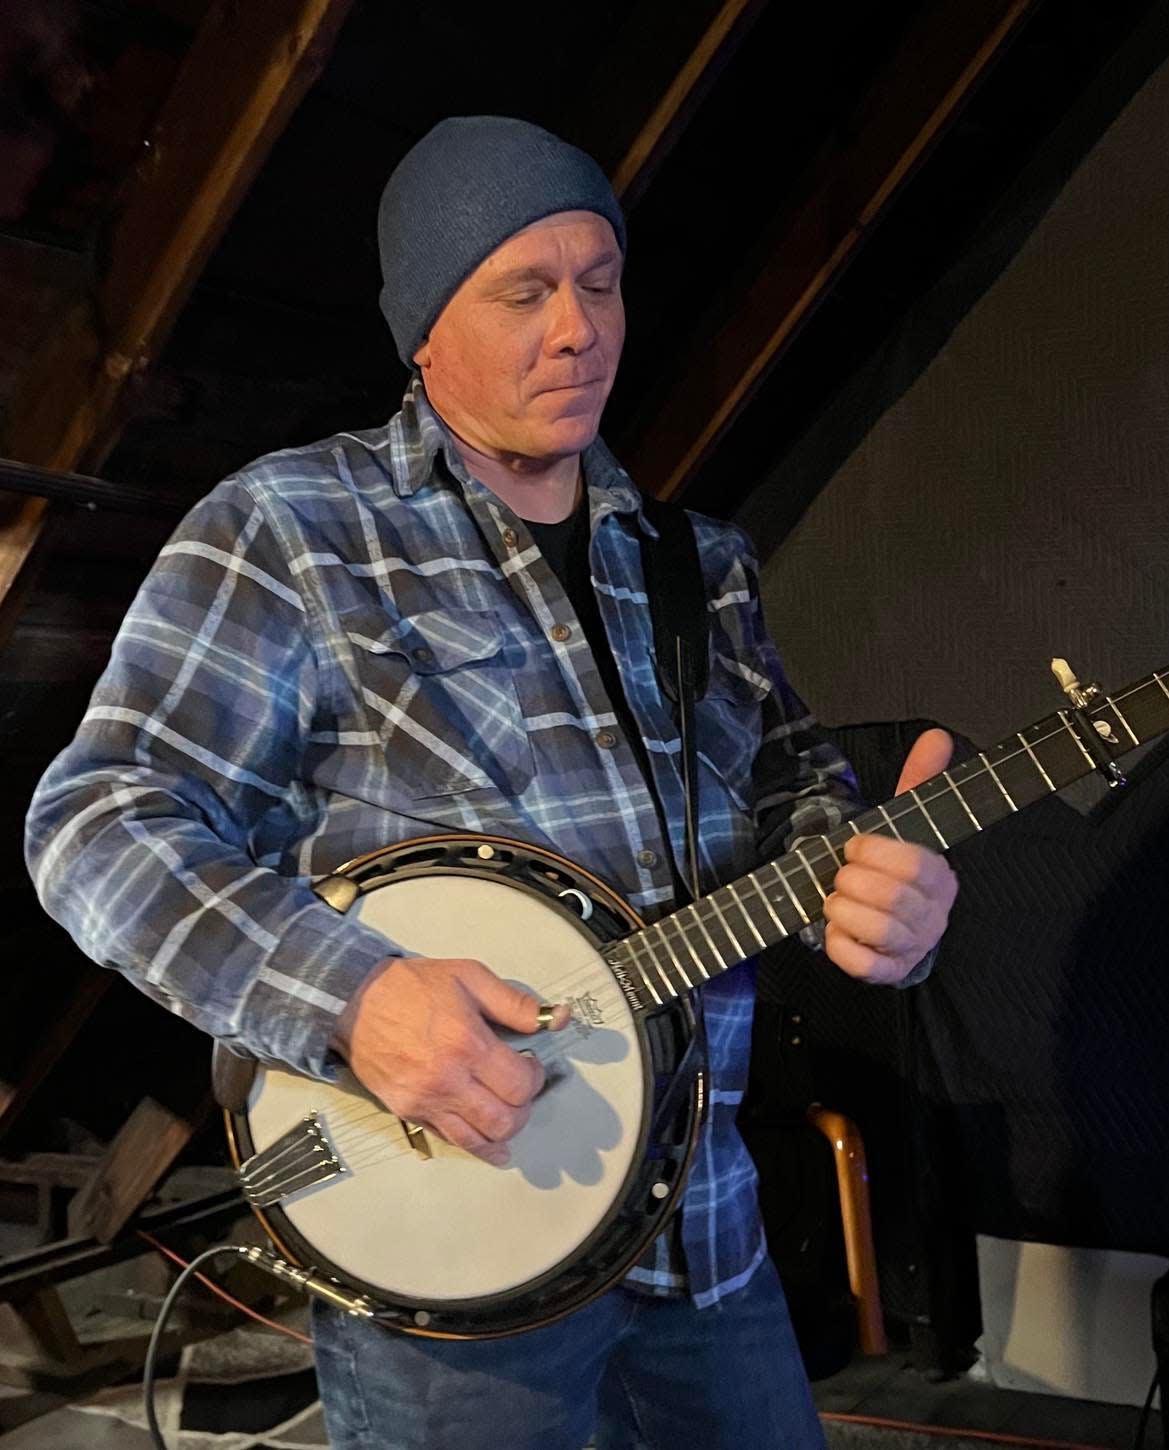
x: 948, y: 49
x: 247, y: 70
x: 657, y: 136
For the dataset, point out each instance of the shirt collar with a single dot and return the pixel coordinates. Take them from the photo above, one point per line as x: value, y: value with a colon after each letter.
x: 418, y: 435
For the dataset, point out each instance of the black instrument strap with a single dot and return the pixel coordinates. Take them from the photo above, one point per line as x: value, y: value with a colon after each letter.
x: 677, y: 606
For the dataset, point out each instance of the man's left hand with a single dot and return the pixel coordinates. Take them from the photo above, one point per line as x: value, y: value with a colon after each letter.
x: 891, y: 900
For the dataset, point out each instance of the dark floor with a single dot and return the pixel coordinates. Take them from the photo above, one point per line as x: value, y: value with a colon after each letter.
x: 253, y: 1369
x: 888, y: 1388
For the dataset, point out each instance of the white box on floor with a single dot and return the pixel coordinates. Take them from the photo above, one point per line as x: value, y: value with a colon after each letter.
x: 1065, y: 1321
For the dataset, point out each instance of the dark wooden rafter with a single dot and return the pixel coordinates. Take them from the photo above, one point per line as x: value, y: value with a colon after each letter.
x: 949, y: 48
x: 248, y: 68
x: 654, y: 140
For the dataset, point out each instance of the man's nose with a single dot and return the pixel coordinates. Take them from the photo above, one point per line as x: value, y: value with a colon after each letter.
x: 572, y: 329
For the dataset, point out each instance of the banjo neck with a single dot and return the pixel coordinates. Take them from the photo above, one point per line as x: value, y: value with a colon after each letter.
x: 681, y: 951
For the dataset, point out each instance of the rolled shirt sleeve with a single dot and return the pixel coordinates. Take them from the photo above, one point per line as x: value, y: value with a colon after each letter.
x: 140, y: 836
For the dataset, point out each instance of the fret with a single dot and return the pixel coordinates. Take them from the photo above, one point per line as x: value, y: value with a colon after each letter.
x: 660, y: 928
x: 766, y: 900
x: 946, y: 810
x: 799, y: 851
x: 1165, y: 688
x: 796, y: 902
x: 1145, y: 707
x: 686, y: 942
x: 1038, y: 763
x: 726, y: 926
x: 997, y: 781
x: 889, y: 822
x: 832, y: 848
x: 932, y: 823
x: 1071, y: 729
x: 718, y: 956
x: 973, y: 818
x: 1119, y: 713
x: 643, y: 977
x: 851, y: 823
x: 745, y: 914
x: 1017, y: 770
x: 1060, y: 751
x: 640, y: 941
x: 982, y: 796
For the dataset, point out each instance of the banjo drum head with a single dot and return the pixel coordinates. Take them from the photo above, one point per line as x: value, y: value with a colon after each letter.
x: 452, y: 1228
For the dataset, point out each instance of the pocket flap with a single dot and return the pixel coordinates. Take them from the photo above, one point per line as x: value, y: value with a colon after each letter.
x: 433, y: 642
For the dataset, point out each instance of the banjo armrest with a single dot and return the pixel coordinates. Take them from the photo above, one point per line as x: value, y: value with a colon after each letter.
x: 231, y: 1078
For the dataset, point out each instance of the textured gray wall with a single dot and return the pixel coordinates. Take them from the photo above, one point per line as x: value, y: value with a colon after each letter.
x: 1014, y: 503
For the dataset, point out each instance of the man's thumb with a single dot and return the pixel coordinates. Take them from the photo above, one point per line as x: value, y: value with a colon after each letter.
x: 507, y: 1004
x: 929, y: 755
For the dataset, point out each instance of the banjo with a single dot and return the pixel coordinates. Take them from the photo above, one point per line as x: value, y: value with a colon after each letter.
x: 390, y: 1222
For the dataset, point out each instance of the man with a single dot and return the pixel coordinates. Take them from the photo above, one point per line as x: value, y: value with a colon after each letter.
x: 441, y: 624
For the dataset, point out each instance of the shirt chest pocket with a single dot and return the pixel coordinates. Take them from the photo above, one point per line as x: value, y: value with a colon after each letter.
x: 436, y: 693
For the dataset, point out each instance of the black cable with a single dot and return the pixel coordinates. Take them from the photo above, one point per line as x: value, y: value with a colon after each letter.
x: 156, y: 1335
x: 1146, y: 1414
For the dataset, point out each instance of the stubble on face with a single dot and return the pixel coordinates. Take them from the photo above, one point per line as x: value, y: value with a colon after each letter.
x: 521, y: 361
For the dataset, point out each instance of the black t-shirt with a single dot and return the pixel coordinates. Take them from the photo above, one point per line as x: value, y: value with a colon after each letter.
x: 566, y: 548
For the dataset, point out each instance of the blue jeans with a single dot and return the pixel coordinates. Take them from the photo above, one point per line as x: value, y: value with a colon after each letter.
x: 633, y: 1372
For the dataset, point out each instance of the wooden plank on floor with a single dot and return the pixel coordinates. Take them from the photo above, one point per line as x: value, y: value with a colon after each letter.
x: 144, y: 1148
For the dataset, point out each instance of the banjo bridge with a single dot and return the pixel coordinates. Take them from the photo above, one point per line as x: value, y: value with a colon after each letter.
x: 301, y: 1158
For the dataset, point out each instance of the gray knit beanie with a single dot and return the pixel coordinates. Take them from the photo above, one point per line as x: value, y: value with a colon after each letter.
x: 468, y: 185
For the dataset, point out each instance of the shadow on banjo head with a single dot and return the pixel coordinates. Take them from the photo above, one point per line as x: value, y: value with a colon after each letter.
x: 558, y: 1144
x: 572, y: 1123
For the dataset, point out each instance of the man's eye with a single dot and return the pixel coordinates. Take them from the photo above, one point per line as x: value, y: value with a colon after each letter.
x: 522, y: 299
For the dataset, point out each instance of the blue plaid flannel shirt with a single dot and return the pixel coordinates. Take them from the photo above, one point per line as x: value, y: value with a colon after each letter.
x: 350, y: 644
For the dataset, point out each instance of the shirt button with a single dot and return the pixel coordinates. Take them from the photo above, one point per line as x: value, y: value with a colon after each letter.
x: 510, y: 538
x: 647, y: 858
x: 605, y: 739
x: 423, y: 655
x: 560, y: 632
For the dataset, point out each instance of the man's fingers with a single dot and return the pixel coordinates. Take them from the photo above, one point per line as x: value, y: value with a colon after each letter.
x: 870, y: 925
x: 489, y: 1115
x: 514, y: 1077
x: 507, y: 1004
x: 860, y: 961
x: 880, y: 890
x: 458, y: 1131
x: 917, y: 865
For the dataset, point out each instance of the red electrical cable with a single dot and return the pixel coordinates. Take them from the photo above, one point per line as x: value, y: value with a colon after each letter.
x: 996, y: 1437
x: 222, y: 1293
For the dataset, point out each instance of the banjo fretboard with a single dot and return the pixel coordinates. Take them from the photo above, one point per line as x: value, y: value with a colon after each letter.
x: 690, y: 946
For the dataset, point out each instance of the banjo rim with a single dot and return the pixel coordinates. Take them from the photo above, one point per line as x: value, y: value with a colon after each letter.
x: 293, y: 1245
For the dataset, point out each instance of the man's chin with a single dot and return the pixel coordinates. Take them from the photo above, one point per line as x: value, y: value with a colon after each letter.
x: 567, y: 436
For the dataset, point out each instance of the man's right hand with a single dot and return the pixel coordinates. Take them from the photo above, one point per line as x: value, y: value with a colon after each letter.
x: 417, y: 1034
